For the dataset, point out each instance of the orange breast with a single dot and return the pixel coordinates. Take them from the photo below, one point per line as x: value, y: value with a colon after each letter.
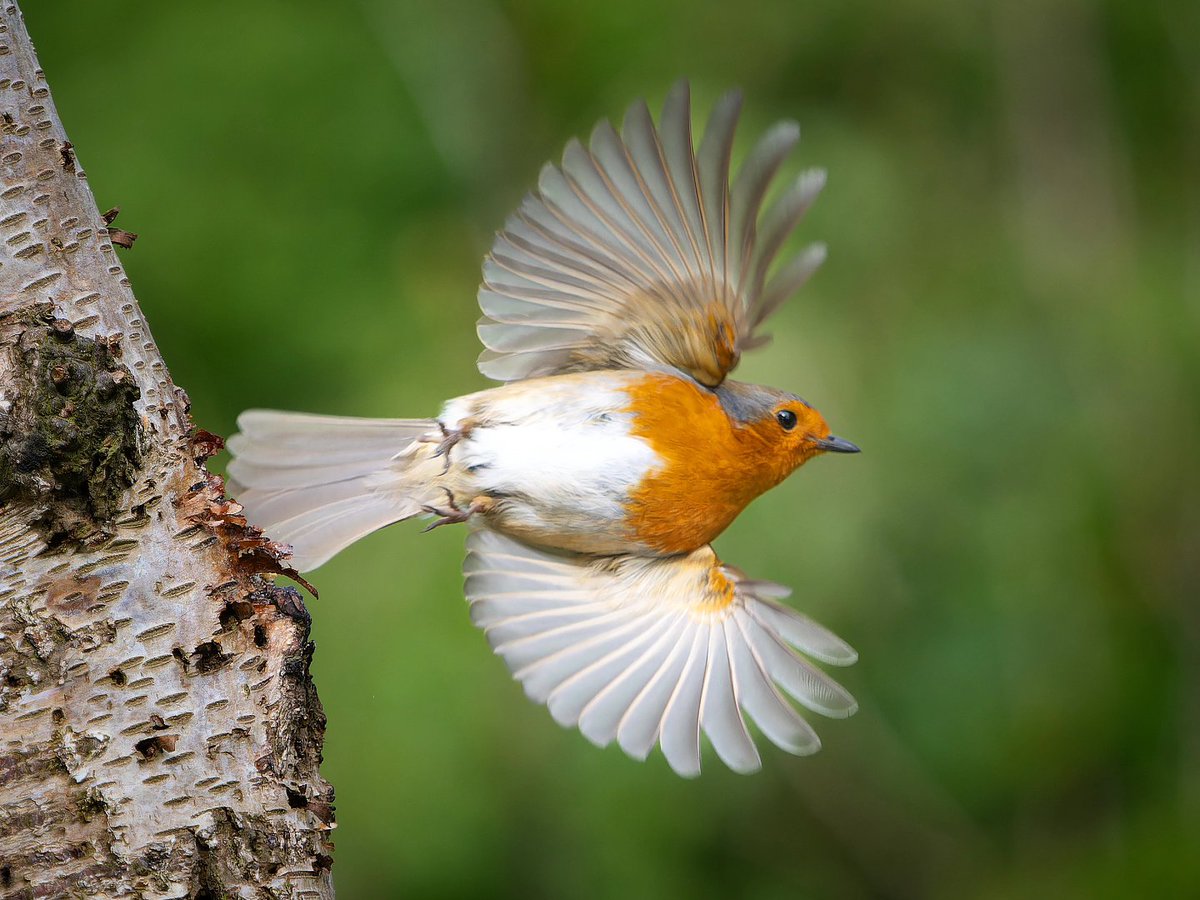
x: 711, y: 469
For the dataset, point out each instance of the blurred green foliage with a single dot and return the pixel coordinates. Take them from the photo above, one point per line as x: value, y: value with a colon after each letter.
x: 1008, y: 323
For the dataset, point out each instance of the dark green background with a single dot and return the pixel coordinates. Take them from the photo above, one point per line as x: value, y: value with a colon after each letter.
x: 1007, y: 323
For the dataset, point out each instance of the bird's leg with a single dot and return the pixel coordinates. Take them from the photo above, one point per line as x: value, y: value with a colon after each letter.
x: 449, y: 437
x: 452, y: 513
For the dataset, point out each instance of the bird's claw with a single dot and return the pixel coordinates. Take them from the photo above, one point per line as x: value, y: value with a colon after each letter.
x: 452, y: 513
x: 450, y: 437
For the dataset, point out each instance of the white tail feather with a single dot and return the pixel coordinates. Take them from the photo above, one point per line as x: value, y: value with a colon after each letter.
x: 320, y: 483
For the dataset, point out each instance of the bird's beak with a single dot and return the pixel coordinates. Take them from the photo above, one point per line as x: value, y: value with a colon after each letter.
x: 835, y: 444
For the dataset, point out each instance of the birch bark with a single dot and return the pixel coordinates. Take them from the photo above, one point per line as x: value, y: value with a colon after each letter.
x: 160, y: 735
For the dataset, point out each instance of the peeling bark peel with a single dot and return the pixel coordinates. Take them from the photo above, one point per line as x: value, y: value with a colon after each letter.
x: 160, y: 735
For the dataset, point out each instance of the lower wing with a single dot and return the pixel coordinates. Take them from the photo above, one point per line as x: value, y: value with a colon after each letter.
x: 655, y: 650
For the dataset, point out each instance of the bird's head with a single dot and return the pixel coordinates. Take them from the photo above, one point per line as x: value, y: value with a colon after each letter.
x: 780, y: 430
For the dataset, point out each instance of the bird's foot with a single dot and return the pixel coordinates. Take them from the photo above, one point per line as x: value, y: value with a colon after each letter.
x: 449, y: 437
x: 452, y: 513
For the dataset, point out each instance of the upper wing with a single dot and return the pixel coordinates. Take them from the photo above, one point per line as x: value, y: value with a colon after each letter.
x: 638, y: 251
x: 648, y: 650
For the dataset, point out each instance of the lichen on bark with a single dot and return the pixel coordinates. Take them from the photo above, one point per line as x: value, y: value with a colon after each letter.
x: 70, y: 436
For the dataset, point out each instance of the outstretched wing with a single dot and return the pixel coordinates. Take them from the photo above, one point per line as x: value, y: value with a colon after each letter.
x: 646, y: 651
x: 638, y: 251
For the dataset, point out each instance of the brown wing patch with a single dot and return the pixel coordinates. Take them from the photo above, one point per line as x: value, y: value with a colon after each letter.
x: 698, y: 340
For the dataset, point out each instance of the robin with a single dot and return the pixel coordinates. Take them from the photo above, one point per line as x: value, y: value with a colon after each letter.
x: 616, y: 301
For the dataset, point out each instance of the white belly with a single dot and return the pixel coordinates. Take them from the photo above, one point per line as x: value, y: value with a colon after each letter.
x: 557, y: 456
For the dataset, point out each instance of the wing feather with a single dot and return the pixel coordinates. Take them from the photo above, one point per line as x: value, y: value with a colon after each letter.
x: 760, y: 698
x: 805, y: 634
x: 571, y: 650
x: 636, y: 251
x: 777, y: 223
x: 575, y: 210
x: 639, y: 726
x: 790, y: 278
x: 750, y: 187
x: 654, y: 650
x: 622, y: 181
x: 569, y: 700
x: 680, y: 159
x: 643, y: 155
x: 810, y: 686
x: 720, y: 715
x: 712, y: 165
x: 679, y: 731
x: 602, y: 717
x: 609, y: 209
x: 530, y: 649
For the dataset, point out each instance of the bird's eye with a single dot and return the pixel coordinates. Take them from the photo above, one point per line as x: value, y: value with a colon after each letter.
x: 786, y: 419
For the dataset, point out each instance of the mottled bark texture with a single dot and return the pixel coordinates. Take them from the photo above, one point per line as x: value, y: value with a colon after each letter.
x: 160, y: 735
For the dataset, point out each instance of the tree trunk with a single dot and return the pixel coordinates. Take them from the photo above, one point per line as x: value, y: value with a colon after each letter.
x: 160, y: 735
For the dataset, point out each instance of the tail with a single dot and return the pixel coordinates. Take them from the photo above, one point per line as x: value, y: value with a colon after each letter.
x: 320, y: 483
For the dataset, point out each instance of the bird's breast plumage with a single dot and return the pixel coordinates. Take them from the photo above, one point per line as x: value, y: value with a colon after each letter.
x: 711, y: 467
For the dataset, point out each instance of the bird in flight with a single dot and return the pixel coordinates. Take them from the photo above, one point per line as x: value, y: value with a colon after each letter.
x: 616, y: 301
